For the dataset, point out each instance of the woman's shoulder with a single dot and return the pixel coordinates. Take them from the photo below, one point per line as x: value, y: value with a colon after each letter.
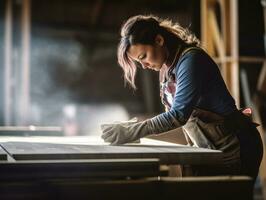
x: 190, y: 59
x: 195, y: 55
x: 190, y: 51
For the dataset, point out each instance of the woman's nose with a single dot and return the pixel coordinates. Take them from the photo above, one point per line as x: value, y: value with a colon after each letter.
x: 144, y: 65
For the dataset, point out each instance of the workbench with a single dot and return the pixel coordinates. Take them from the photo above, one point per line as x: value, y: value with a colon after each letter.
x: 41, y: 154
x: 85, y: 167
x: 93, y: 147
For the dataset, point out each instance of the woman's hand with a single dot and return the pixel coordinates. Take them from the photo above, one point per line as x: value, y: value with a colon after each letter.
x: 125, y: 132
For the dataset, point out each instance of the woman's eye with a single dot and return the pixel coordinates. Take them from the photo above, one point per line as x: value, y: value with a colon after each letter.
x: 142, y: 57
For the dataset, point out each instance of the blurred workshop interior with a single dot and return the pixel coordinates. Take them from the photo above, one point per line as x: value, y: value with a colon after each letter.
x: 59, y: 70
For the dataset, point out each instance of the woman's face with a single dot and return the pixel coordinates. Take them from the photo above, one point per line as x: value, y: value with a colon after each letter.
x: 149, y: 56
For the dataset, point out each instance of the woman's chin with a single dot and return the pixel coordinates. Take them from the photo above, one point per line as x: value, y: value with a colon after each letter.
x: 155, y: 69
x: 158, y: 68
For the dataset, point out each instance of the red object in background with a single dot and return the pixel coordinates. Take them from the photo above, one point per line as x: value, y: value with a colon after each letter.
x: 247, y: 112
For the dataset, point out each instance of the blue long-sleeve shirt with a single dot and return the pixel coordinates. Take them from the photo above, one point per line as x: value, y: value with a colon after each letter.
x: 199, y: 84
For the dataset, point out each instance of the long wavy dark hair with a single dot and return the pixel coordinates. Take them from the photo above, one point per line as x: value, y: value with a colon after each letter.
x: 142, y: 29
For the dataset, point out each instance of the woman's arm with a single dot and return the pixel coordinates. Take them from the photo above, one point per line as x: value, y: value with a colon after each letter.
x: 189, y: 77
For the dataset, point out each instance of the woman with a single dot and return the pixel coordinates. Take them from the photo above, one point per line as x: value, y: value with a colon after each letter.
x: 193, y: 92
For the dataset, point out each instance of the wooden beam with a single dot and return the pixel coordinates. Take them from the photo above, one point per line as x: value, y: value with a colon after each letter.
x: 223, y: 39
x: 234, y: 49
x: 8, y: 63
x: 242, y: 59
x: 25, y: 73
x: 206, y: 35
x: 217, y: 38
x: 261, y: 84
x: 251, y: 59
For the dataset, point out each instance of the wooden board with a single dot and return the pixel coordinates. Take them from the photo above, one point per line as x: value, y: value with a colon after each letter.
x: 196, y: 188
x: 179, y: 154
x: 79, y: 169
x: 3, y: 154
x: 31, y: 131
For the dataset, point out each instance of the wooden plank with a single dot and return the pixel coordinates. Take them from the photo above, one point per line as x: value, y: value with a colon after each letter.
x: 242, y: 59
x: 200, y: 188
x: 8, y: 64
x: 229, y: 26
x: 233, y: 21
x: 261, y: 85
x: 24, y: 94
x: 180, y: 154
x: 206, y: 35
x: 217, y: 37
x: 79, y: 169
x: 220, y: 187
x: 204, y: 29
x: 31, y: 130
x: 3, y: 154
x: 225, y: 31
x: 165, y: 188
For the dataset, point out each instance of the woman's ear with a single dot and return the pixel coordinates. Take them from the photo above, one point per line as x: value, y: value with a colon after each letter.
x: 159, y: 40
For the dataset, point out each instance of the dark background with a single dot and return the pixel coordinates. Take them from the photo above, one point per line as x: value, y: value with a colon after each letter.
x: 73, y: 52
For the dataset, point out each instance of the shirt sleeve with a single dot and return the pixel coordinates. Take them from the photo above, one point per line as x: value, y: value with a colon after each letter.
x: 188, y: 73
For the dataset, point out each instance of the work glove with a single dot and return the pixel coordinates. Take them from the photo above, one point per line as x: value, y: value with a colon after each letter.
x: 130, y: 131
x: 124, y: 132
x: 131, y: 121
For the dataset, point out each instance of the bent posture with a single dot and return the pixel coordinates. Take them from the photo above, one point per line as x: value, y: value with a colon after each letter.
x: 193, y: 92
